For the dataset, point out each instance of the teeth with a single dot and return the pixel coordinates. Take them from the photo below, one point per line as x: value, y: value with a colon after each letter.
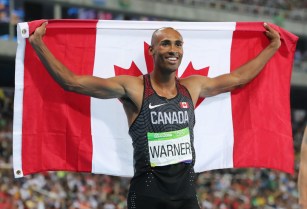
x: 172, y: 58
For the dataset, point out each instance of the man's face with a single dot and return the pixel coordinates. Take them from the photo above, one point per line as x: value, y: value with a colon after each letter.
x: 167, y: 50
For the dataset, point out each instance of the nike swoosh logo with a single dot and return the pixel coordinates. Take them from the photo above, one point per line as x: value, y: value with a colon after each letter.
x: 154, y: 106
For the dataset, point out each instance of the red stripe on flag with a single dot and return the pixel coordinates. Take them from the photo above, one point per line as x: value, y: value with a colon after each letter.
x: 60, y: 138
x: 262, y: 124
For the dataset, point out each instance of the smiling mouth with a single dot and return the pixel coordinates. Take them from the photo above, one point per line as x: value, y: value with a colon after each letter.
x: 172, y: 59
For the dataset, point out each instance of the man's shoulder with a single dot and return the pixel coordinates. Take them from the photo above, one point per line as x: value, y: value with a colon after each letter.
x: 130, y: 78
x: 191, y: 80
x: 131, y: 82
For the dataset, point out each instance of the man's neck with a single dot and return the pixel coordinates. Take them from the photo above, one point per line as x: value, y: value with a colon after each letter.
x: 164, y: 84
x: 163, y: 79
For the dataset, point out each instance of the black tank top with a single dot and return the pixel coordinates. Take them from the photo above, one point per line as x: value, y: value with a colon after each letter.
x: 162, y: 136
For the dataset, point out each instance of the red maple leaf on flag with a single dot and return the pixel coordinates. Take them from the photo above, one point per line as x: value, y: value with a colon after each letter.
x: 133, y: 70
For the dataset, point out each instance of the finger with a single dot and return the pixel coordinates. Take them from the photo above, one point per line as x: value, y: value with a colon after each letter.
x: 270, y: 31
x: 267, y: 27
x: 43, y: 28
x: 43, y: 25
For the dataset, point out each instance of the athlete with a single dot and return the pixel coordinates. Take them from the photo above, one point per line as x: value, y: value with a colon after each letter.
x: 160, y: 113
x: 302, y: 176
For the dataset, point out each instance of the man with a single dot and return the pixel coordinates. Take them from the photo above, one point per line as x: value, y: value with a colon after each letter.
x: 160, y: 113
x: 302, y: 176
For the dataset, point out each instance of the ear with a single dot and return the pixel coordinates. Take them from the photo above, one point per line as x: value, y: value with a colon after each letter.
x: 151, y: 50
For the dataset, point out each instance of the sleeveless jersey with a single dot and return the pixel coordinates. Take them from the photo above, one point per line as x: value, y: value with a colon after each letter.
x: 162, y: 136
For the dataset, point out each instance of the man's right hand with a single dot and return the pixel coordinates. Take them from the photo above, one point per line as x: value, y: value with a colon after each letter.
x: 38, y: 34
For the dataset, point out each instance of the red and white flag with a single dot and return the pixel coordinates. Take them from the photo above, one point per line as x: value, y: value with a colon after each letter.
x: 59, y: 130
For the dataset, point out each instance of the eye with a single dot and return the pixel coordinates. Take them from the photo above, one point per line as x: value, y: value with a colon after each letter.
x: 165, y: 43
x: 179, y: 43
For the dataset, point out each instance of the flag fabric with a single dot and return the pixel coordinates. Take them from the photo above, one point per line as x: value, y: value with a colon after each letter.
x: 59, y: 130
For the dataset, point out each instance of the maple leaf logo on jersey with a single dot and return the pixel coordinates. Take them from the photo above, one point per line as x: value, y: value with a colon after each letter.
x: 184, y: 105
x: 133, y: 70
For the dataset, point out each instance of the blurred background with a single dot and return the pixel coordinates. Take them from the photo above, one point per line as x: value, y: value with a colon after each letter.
x: 222, y: 189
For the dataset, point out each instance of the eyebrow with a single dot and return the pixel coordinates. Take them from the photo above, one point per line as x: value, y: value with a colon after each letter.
x: 169, y: 41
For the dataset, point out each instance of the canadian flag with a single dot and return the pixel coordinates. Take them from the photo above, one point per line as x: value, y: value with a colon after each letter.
x: 59, y: 130
x: 184, y: 105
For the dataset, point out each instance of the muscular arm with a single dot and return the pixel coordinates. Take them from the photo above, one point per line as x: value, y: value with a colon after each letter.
x: 115, y: 87
x: 302, y: 177
x: 201, y: 86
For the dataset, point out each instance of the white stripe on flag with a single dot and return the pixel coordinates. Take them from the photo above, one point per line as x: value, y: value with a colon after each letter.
x: 214, y: 129
x: 18, y: 100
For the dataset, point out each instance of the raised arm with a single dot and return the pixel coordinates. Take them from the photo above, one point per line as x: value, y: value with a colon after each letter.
x: 115, y: 87
x: 202, y: 86
x: 302, y: 176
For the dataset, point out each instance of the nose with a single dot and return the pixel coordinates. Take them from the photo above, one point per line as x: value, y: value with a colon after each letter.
x: 172, y: 53
x: 173, y: 50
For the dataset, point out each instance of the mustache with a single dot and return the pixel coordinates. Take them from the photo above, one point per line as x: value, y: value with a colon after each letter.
x: 177, y: 54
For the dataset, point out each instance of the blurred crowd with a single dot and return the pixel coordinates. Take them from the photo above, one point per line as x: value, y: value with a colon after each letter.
x: 300, y: 60
x: 221, y: 189
x: 279, y: 4
x: 291, y: 9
